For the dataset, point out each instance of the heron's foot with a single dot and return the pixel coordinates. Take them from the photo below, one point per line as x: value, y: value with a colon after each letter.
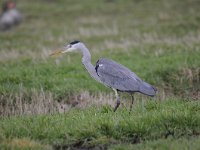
x: 117, y: 105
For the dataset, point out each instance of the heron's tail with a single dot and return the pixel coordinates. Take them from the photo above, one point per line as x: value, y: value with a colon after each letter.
x: 147, y: 89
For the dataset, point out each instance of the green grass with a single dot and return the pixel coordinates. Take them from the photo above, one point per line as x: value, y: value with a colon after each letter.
x: 150, y: 121
x: 158, y: 40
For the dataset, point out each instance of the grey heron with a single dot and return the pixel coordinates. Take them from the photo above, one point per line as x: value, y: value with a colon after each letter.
x: 10, y: 16
x: 110, y: 73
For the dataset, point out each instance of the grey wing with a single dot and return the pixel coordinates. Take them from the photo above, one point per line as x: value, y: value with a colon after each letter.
x: 117, y: 76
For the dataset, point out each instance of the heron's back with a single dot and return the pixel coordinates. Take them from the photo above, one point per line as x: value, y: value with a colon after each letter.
x: 117, y: 76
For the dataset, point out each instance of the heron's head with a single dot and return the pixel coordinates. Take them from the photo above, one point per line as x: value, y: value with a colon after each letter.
x: 9, y: 4
x: 73, y: 46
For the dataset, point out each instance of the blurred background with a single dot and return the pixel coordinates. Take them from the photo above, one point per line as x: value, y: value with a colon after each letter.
x: 159, y: 40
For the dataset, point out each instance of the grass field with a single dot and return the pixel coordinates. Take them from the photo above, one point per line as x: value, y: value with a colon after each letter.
x: 158, y: 40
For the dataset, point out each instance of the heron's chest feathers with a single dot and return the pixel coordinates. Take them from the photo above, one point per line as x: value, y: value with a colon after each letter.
x: 98, y: 66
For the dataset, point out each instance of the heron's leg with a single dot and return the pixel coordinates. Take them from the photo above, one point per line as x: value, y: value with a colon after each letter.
x: 118, y: 100
x: 132, y: 101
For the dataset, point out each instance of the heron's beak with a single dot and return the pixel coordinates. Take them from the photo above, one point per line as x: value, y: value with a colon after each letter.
x: 63, y: 50
x: 57, y: 52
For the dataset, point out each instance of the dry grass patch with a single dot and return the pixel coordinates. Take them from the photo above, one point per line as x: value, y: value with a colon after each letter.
x: 138, y: 39
x: 23, y: 143
x: 41, y: 102
x: 13, y: 54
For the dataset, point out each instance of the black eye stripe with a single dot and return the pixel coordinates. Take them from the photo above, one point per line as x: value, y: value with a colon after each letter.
x: 74, y: 42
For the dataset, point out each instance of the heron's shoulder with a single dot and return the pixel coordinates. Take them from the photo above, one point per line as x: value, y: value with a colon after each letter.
x: 105, y: 61
x: 113, y: 67
x: 103, y: 64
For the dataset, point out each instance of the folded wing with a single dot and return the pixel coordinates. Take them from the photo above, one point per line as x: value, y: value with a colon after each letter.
x: 117, y: 76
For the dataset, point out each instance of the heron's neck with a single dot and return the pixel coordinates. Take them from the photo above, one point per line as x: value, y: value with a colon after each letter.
x: 86, y: 61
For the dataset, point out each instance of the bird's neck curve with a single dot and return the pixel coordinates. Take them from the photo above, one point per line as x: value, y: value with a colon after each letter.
x: 86, y: 61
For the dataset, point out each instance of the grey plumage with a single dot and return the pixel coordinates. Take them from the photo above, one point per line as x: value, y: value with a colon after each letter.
x: 121, y: 78
x: 111, y: 73
x: 10, y: 16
